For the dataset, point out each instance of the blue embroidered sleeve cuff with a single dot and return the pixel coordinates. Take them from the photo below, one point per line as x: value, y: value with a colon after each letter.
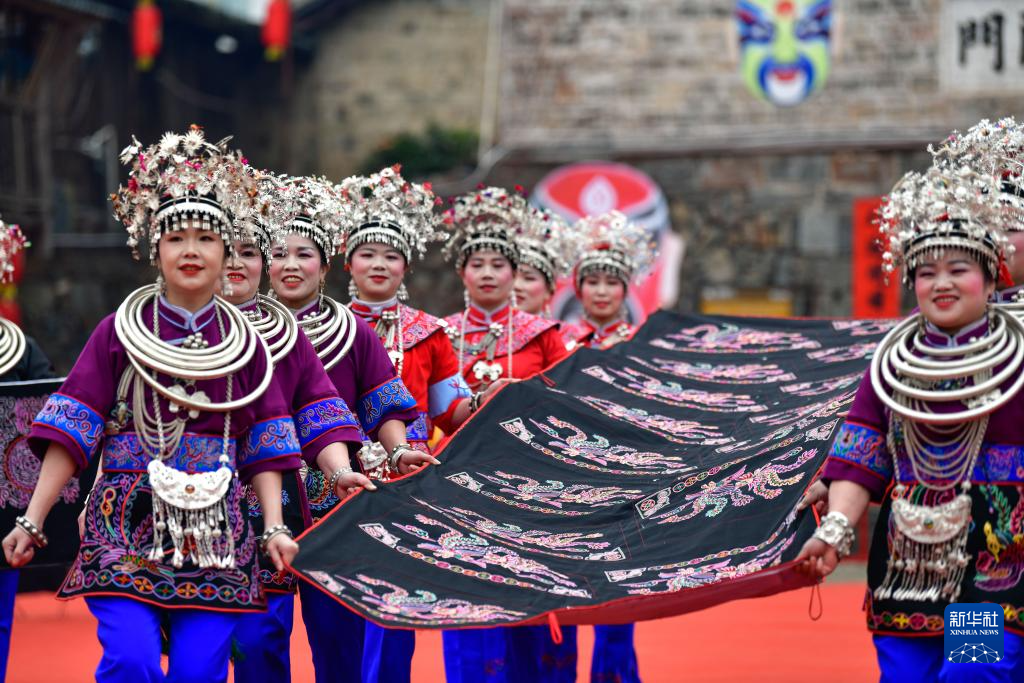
x: 419, y: 430
x: 441, y: 395
x: 377, y: 404
x: 268, y: 440
x: 864, y: 447
x: 321, y: 417
x: 81, y: 426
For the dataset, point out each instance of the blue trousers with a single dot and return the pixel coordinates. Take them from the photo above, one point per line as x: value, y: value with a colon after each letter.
x: 923, y: 660
x: 8, y: 589
x: 348, y: 649
x: 534, y: 656
x: 614, y: 655
x: 129, y: 631
x: 478, y: 655
x: 387, y: 654
x: 263, y: 642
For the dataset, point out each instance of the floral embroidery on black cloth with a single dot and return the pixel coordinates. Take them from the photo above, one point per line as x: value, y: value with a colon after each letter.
x: 624, y: 484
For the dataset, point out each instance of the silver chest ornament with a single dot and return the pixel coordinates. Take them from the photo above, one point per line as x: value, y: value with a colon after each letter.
x: 487, y: 372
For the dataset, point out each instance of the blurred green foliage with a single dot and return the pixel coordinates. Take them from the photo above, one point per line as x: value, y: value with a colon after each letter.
x: 437, y: 150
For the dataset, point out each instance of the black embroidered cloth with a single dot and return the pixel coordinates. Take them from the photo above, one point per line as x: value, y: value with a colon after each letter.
x: 653, y: 479
x: 20, y: 402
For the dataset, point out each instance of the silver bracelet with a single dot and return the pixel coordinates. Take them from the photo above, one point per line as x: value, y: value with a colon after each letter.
x: 835, y: 530
x: 39, y: 539
x: 396, y: 454
x: 338, y: 474
x: 272, y: 531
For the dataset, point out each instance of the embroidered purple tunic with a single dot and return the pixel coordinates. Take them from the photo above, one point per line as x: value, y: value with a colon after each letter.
x: 321, y: 418
x: 113, y: 557
x: 366, y: 379
x: 996, y: 533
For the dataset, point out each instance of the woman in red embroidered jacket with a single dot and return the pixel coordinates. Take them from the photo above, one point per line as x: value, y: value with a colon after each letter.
x: 611, y: 251
x: 495, y: 343
x: 547, y: 247
x: 388, y: 223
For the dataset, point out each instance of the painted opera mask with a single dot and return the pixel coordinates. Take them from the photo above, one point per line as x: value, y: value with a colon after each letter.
x: 784, y: 47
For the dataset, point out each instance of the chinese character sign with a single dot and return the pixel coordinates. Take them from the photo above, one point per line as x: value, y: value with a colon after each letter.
x: 973, y: 633
x: 784, y: 47
x: 982, y: 46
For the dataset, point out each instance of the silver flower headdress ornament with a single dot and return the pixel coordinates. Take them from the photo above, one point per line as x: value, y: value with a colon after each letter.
x: 384, y: 208
x: 611, y: 243
x: 12, y: 241
x: 485, y: 220
x: 944, y: 208
x: 310, y: 206
x: 991, y: 148
x: 182, y: 179
x: 545, y: 242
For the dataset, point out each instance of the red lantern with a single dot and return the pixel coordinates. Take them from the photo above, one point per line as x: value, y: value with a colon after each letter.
x: 277, y: 29
x: 147, y: 34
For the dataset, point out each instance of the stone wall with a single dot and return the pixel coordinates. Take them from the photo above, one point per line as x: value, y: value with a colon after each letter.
x: 389, y: 67
x: 607, y: 76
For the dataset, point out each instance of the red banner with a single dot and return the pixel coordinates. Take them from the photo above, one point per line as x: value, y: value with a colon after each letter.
x: 872, y: 297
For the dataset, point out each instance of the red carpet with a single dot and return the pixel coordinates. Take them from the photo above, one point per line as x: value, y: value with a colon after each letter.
x: 767, y: 640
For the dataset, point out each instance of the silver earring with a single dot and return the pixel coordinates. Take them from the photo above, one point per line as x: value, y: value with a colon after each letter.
x: 225, y: 285
x: 465, y: 297
x: 353, y: 291
x: 512, y: 299
x: 403, y: 293
x: 161, y: 284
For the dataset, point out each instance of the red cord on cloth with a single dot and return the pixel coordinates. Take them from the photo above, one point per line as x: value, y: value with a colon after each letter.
x: 816, y: 592
x: 816, y: 588
x: 547, y: 380
x: 556, y: 630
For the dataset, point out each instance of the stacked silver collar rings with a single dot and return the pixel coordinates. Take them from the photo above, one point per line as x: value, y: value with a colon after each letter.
x: 275, y: 323
x: 12, y: 345
x: 905, y: 370
x: 148, y: 354
x: 333, y: 325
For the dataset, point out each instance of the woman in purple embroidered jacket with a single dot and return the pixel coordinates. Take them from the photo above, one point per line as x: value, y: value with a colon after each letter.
x: 324, y: 424
x: 21, y: 359
x: 934, y: 434
x: 305, y: 218
x: 174, y: 393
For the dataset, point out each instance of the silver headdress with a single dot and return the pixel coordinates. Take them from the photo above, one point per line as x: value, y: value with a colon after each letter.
x: 384, y: 208
x: 12, y: 241
x: 484, y: 220
x: 183, y: 178
x: 546, y: 242
x: 611, y: 243
x: 944, y: 208
x: 310, y: 206
x: 995, y: 149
